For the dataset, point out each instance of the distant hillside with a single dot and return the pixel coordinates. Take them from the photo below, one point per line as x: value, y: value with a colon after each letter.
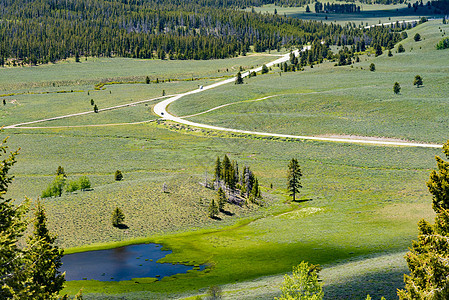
x: 42, y: 31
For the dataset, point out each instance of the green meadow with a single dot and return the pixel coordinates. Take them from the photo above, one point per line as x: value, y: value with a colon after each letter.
x: 358, y: 207
x: 348, y: 100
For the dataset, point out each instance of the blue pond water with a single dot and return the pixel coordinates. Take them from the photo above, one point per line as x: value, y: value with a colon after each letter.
x: 122, y: 263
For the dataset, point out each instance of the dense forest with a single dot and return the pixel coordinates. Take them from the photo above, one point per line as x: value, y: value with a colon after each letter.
x: 42, y: 31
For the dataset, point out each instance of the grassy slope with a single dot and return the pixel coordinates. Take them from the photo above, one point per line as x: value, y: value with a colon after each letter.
x: 364, y: 199
x: 35, y: 89
x: 350, y: 100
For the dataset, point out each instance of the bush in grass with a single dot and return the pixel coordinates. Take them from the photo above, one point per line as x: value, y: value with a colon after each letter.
x: 117, y: 217
x: 303, y: 284
x: 118, y: 175
x: 372, y: 67
x: 72, y: 186
x: 55, y: 188
x: 214, y: 292
x: 443, y: 44
x: 401, y: 48
x: 84, y: 183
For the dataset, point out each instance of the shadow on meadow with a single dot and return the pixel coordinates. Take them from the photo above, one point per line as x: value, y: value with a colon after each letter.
x: 376, y: 284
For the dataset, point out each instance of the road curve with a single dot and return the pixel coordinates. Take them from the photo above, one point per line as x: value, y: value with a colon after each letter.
x: 161, y: 110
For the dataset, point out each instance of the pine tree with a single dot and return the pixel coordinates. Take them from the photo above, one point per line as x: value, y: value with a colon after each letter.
x: 428, y: 258
x: 418, y: 81
x: 118, y: 175
x: 147, y: 80
x: 264, y: 69
x: 43, y: 259
x: 95, y: 108
x: 117, y: 217
x: 217, y: 170
x: 60, y: 171
x: 294, y: 178
x: 12, y: 227
x: 396, y: 88
x: 213, y: 209
x: 226, y: 170
x: 239, y: 79
x: 221, y: 199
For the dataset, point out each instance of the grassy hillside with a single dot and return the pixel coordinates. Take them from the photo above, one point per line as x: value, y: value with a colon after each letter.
x: 349, y: 100
x: 357, y: 202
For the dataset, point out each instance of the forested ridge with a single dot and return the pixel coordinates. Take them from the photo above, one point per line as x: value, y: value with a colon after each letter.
x: 42, y: 31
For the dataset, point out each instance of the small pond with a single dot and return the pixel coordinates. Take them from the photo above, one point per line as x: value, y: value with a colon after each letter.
x: 123, y: 263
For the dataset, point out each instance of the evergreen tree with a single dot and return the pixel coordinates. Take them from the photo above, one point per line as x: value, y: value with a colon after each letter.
x: 213, y: 209
x: 239, y: 79
x: 60, y: 171
x: 217, y: 170
x: 396, y: 88
x: 118, y: 175
x: 221, y: 199
x: 226, y: 170
x: 95, y: 108
x: 401, y: 48
x: 117, y: 217
x: 12, y: 227
x: 428, y: 258
x: 417, y: 37
x: 43, y: 259
x: 418, y: 81
x: 294, y: 178
x: 372, y: 67
x: 147, y: 80
x: 378, y: 49
x: 264, y: 69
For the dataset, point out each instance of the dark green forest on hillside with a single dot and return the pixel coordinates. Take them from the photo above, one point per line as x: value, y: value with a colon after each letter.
x: 42, y: 31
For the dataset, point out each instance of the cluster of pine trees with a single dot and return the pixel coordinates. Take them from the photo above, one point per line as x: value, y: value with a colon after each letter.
x: 42, y: 31
x: 239, y: 187
x: 336, y: 8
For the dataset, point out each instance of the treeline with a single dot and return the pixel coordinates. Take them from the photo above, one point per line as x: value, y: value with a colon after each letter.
x: 384, y: 2
x: 42, y: 31
x: 336, y: 8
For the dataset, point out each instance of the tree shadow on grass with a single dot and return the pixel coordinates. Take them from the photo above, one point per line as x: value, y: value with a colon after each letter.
x: 228, y: 213
x: 376, y: 284
x: 122, y: 226
x: 302, y: 200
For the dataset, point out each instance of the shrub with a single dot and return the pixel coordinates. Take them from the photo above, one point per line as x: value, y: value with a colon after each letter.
x: 72, y: 186
x: 84, y: 183
x: 443, y: 44
x: 55, y: 188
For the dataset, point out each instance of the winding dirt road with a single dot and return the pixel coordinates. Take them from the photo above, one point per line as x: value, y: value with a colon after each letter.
x: 161, y: 110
